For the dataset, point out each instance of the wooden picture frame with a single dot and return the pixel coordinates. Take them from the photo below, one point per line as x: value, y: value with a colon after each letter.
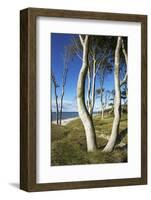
x: 28, y: 98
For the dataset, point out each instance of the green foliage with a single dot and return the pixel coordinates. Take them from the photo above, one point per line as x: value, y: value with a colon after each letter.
x: 69, y: 143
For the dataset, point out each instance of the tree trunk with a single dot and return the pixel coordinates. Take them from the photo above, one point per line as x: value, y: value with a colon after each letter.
x: 64, y: 78
x: 112, y: 110
x: 56, y: 96
x: 117, y: 101
x: 102, y: 115
x: 83, y: 113
x: 89, y: 91
x: 61, y: 105
x: 124, y: 52
x: 57, y: 110
x: 102, y: 108
x: 126, y: 61
x: 93, y: 88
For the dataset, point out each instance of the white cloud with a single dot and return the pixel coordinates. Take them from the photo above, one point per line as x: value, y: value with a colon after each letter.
x: 68, y: 106
x: 71, y: 106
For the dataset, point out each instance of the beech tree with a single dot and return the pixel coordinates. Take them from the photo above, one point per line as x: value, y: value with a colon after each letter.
x: 56, y: 96
x: 117, y: 98
x: 112, y: 95
x: 66, y: 58
x: 124, y: 98
x: 123, y: 83
x: 91, y: 75
x: 107, y: 95
x: 126, y: 61
x: 98, y: 55
x: 99, y: 64
x: 101, y: 75
x: 93, y: 66
x: 106, y: 49
x: 82, y: 110
x: 104, y: 70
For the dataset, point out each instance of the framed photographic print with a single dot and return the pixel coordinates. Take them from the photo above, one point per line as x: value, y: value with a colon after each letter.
x: 83, y: 99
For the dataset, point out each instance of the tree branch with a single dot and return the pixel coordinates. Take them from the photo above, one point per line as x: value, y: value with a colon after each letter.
x: 76, y: 49
x: 124, y: 80
x: 54, y: 80
x: 77, y: 53
x: 81, y: 40
x: 124, y: 52
x: 126, y: 60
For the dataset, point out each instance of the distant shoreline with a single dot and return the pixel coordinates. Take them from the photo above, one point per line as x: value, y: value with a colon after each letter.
x: 65, y: 121
x: 68, y: 120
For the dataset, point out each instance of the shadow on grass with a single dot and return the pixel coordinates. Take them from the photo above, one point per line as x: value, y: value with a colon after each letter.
x: 122, y: 148
x: 69, y: 144
x: 121, y: 136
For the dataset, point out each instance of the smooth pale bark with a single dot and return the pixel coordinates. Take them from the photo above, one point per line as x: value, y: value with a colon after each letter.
x: 117, y: 101
x: 83, y: 113
x: 102, y: 113
x: 101, y: 77
x: 93, y: 87
x: 124, y: 52
x: 89, y: 90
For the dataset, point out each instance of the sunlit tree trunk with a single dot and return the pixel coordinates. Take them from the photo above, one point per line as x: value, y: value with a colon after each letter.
x: 101, y: 77
x: 93, y: 88
x: 83, y: 113
x: 117, y: 100
x: 89, y: 90
x: 122, y: 82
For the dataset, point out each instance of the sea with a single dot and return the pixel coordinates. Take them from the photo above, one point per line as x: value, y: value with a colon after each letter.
x: 65, y: 115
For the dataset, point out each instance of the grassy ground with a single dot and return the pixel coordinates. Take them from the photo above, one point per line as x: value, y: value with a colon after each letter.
x: 69, y: 144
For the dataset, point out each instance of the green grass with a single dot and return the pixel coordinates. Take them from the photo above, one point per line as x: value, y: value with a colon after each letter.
x: 69, y: 143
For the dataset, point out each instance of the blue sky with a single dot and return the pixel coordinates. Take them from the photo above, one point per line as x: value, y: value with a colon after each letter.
x: 58, y: 42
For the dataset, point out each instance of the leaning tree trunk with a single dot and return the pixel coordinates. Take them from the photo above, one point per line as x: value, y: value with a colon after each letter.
x: 83, y: 113
x: 117, y: 101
